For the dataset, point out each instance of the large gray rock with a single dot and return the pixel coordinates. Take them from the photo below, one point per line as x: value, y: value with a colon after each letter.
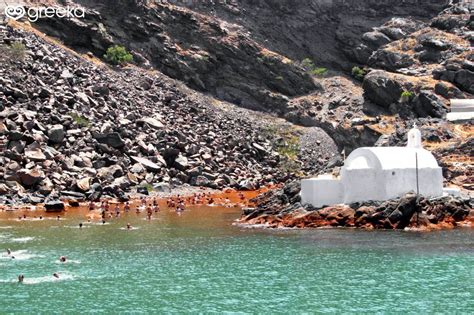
x: 426, y: 103
x: 149, y: 165
x: 465, y: 80
x: 376, y: 39
x: 35, y: 155
x: 390, y: 60
x: 152, y: 122
x: 56, y: 134
x: 381, y: 89
x: 112, y: 139
x: 181, y: 163
x: 30, y: 177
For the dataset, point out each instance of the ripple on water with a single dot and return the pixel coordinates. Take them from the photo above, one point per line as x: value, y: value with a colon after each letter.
x: 25, y: 239
x: 67, y: 262
x: 62, y: 277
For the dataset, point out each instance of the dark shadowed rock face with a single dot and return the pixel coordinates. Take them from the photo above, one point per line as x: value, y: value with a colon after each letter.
x: 203, y: 52
x: 236, y: 50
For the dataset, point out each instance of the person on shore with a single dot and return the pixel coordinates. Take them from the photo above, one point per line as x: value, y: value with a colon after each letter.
x: 9, y: 252
x: 80, y: 225
x: 117, y: 211
x: 156, y: 208
x: 127, y: 207
x: 91, y: 206
x: 58, y: 218
x: 21, y: 278
x: 149, y: 212
x: 62, y: 259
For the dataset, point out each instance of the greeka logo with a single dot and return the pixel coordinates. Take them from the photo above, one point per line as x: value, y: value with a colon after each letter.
x: 35, y: 13
x: 16, y: 12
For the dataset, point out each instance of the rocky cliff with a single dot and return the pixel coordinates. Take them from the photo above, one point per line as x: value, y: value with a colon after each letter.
x: 69, y: 121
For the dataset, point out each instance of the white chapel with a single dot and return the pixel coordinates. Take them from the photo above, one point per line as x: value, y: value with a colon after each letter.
x: 378, y: 173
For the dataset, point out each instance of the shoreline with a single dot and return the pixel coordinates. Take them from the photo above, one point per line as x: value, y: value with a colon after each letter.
x: 226, y: 197
x: 282, y: 208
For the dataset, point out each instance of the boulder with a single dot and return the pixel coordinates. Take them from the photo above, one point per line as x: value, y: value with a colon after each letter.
x: 35, y: 155
x: 152, y: 122
x: 427, y: 104
x: 56, y: 134
x: 375, y: 39
x: 381, y: 89
x: 465, y: 80
x: 181, y: 163
x: 390, y: 60
x: 112, y: 139
x: 246, y: 185
x: 30, y: 177
x: 84, y: 184
x: 200, y: 181
x: 54, y: 206
x: 162, y: 187
x: 149, y: 165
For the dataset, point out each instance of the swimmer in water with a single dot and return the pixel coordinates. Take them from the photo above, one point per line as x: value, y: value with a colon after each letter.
x: 80, y: 225
x: 56, y: 275
x: 9, y: 252
x: 58, y: 217
x: 62, y: 259
x: 21, y: 278
x: 129, y: 226
x: 103, y: 221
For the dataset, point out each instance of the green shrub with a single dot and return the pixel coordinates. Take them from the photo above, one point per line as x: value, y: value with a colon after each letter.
x: 118, y: 55
x: 311, y: 68
x: 406, y: 96
x: 80, y: 120
x: 286, y: 143
x: 320, y: 71
x: 148, y: 187
x: 307, y: 64
x: 358, y: 73
x: 17, y: 51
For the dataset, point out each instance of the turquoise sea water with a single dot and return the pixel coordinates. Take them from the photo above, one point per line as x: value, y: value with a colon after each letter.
x: 200, y: 263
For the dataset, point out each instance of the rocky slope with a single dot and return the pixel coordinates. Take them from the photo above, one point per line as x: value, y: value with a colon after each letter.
x: 75, y: 128
x: 250, y: 54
